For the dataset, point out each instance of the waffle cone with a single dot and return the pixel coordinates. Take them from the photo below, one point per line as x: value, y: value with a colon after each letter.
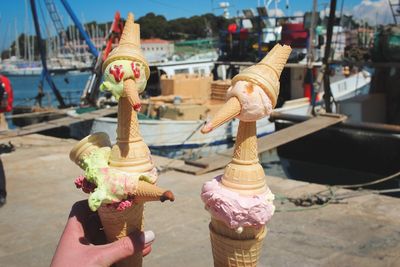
x: 117, y: 224
x: 130, y: 154
x: 232, y: 249
x: 267, y: 72
x: 87, y: 145
x: 244, y: 174
x: 129, y: 46
x: 228, y: 111
x: 131, y: 92
x: 150, y: 192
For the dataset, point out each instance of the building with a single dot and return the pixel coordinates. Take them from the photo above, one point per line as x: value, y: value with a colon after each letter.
x: 157, y: 50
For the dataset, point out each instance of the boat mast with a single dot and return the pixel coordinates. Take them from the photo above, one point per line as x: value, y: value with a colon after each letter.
x: 82, y: 31
x: 325, y: 60
x: 310, y: 55
x: 45, y: 72
x: 26, y: 53
x: 17, y: 52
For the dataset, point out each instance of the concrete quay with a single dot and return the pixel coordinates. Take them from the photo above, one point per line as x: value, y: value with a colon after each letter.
x: 361, y: 231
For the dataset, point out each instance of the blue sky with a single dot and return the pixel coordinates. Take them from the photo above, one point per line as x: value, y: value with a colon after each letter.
x: 103, y: 10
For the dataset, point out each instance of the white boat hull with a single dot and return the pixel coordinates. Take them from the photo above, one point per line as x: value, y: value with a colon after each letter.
x: 183, y: 135
x: 350, y: 86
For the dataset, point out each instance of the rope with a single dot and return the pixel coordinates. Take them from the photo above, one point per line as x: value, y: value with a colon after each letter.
x: 166, y: 166
x: 328, y: 196
x: 372, y: 182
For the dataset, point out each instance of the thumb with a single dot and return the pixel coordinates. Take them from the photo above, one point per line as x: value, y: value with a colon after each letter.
x: 124, y: 247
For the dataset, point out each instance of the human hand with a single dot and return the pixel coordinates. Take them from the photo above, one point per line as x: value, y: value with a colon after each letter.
x: 83, y: 243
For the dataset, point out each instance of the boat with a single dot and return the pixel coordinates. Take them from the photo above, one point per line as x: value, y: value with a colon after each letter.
x: 175, y: 137
x: 364, y: 150
x: 19, y: 67
x: 346, y: 154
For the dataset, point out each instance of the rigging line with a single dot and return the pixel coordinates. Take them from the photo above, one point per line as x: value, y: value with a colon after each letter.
x: 44, y: 19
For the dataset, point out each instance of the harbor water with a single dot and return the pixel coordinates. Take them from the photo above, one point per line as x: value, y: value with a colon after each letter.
x: 70, y: 86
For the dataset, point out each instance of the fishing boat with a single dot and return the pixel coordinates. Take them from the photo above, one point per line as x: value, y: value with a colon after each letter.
x: 364, y: 149
x: 175, y: 137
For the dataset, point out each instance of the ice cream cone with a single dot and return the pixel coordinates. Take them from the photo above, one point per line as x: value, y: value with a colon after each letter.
x: 267, y: 72
x: 87, y: 145
x: 149, y: 192
x: 144, y: 192
x: 130, y: 154
x: 232, y: 249
x: 118, y: 224
x: 228, y: 111
x: 132, y: 94
x: 129, y: 46
x: 240, y: 247
x: 236, y: 237
x: 244, y: 174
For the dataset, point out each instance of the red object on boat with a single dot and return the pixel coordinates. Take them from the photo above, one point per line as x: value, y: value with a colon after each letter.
x: 243, y: 34
x: 295, y: 35
x: 307, y: 90
x: 114, y: 34
x: 7, y: 97
x: 232, y: 28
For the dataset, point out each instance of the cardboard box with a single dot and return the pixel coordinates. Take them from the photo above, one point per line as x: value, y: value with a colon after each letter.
x: 192, y: 85
x: 184, y: 112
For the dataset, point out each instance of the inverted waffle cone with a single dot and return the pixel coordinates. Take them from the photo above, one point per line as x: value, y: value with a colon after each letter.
x: 229, y: 110
x: 87, y: 145
x: 150, y: 192
x: 131, y: 92
x: 129, y: 46
x: 267, y: 72
x: 118, y: 224
x: 232, y: 249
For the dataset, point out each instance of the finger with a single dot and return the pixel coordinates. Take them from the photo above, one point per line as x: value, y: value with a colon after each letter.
x: 126, y: 246
x: 146, y: 250
x: 116, y: 251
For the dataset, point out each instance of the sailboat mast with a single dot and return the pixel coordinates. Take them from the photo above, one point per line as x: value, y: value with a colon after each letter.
x: 26, y: 53
x: 17, y: 52
x: 45, y: 72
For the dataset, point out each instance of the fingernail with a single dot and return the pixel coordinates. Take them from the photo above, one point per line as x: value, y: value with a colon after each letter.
x: 148, y: 237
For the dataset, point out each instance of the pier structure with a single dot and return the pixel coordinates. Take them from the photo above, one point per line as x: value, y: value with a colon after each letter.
x: 361, y: 230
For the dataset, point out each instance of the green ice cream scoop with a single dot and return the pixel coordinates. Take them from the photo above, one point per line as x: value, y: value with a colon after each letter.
x: 112, y: 185
x: 118, y: 71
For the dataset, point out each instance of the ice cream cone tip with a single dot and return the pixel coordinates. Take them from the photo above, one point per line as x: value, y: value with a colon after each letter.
x: 207, y: 128
x: 168, y: 195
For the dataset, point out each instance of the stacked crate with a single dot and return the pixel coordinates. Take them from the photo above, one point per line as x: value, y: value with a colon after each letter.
x: 219, y: 88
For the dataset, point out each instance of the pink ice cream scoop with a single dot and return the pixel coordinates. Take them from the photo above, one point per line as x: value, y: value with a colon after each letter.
x: 235, y: 210
x: 255, y: 104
